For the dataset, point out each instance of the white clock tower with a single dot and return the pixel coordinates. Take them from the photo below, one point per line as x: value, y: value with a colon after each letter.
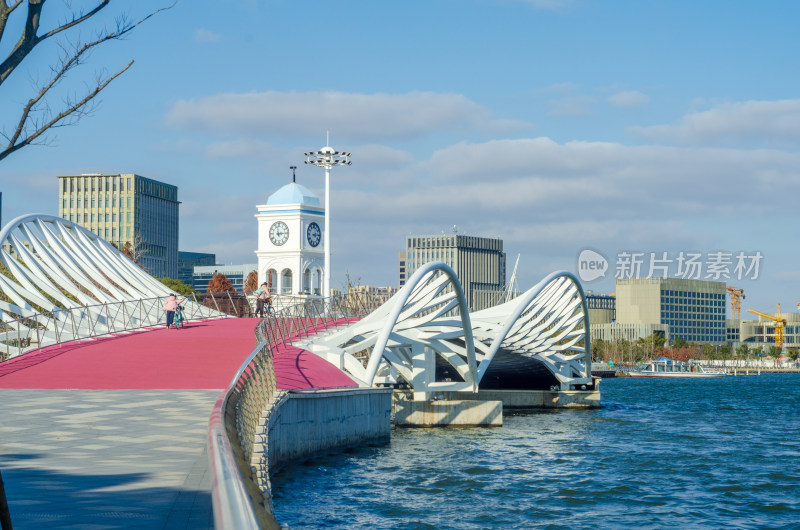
x: 290, y: 243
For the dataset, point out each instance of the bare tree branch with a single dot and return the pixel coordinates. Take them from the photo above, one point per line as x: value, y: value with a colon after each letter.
x: 35, y: 120
x: 75, y: 20
x: 15, y: 145
x: 29, y: 38
x: 69, y: 63
x: 5, y: 12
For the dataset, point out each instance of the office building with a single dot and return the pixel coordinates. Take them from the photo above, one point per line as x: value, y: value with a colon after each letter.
x: 761, y: 331
x: 479, y: 262
x: 733, y: 330
x: 126, y: 208
x: 693, y: 309
x: 370, y: 293
x: 187, y: 261
x: 614, y: 331
x: 401, y: 269
x: 602, y: 308
x: 236, y: 274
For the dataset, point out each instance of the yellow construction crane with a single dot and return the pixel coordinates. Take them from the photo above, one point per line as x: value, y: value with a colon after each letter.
x: 780, y: 323
x: 737, y: 295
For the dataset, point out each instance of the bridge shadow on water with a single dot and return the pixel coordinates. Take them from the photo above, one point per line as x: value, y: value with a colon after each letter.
x: 46, y: 498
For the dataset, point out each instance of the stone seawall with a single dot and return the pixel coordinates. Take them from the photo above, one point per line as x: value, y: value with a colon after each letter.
x: 309, y: 422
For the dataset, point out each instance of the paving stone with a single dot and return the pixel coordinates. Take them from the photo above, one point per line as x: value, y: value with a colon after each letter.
x: 129, y: 462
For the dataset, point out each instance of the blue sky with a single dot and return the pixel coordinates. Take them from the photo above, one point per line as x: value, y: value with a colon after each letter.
x: 640, y: 126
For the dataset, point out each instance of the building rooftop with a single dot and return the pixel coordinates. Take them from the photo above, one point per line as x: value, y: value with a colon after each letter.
x: 293, y: 193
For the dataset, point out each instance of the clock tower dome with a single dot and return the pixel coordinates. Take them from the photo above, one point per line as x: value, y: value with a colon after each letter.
x: 290, y: 243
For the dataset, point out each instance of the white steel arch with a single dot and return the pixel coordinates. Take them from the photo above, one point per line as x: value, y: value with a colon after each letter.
x: 422, y: 295
x: 427, y: 324
x: 549, y: 323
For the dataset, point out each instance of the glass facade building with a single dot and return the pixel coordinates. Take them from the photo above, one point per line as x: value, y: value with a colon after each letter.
x: 126, y: 208
x: 693, y: 309
x: 187, y: 261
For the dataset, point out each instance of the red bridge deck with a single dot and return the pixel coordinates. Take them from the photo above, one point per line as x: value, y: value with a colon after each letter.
x: 203, y: 355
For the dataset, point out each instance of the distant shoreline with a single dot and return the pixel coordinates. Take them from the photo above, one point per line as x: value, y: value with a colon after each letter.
x: 739, y: 371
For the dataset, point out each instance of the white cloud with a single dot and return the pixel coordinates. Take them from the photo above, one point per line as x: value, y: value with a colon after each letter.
x: 381, y: 156
x: 628, y: 98
x: 545, y: 199
x: 743, y: 123
x: 373, y: 116
x: 204, y: 35
x: 535, y: 181
x: 571, y: 106
x: 243, y: 147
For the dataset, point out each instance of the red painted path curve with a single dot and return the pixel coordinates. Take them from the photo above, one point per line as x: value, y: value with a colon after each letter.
x: 203, y: 355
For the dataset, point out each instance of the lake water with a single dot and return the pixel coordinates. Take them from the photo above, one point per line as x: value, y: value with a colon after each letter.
x: 702, y: 453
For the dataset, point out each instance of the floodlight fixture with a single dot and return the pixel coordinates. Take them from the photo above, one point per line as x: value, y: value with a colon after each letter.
x: 327, y: 158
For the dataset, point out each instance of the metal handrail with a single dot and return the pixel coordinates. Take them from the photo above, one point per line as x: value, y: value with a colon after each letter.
x: 241, y: 492
x: 77, y: 323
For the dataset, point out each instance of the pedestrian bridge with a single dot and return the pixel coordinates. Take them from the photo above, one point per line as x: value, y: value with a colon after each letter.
x: 111, y: 432
x: 107, y: 408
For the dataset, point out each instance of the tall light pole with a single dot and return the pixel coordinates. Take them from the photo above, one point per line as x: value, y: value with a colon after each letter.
x: 327, y: 158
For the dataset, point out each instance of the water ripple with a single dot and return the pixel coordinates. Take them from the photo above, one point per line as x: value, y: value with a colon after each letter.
x: 686, y: 453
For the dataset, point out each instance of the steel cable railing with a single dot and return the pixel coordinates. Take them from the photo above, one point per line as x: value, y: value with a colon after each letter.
x: 243, y: 411
x: 24, y: 334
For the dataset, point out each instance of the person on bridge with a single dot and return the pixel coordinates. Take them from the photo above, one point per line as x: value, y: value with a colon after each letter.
x: 263, y: 298
x: 170, y: 305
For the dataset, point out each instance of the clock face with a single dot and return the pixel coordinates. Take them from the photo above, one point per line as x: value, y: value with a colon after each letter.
x: 314, y: 233
x: 278, y: 233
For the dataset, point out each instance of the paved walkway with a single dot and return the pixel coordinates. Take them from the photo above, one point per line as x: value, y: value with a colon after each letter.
x: 106, y: 458
x: 111, y: 433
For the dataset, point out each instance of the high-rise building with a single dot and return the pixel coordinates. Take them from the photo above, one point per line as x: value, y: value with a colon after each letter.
x: 401, y: 269
x: 187, y: 261
x: 479, y: 262
x: 126, y: 208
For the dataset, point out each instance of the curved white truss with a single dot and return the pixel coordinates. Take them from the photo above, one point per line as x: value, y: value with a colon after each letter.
x: 63, y: 282
x: 402, y: 329
x: 549, y: 322
x: 428, y: 320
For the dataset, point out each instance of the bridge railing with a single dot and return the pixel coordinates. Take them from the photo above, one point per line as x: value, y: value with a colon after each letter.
x: 20, y: 335
x: 239, y: 422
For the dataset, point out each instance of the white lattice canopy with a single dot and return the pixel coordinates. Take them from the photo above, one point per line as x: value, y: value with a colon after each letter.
x: 425, y: 337
x: 61, y: 282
